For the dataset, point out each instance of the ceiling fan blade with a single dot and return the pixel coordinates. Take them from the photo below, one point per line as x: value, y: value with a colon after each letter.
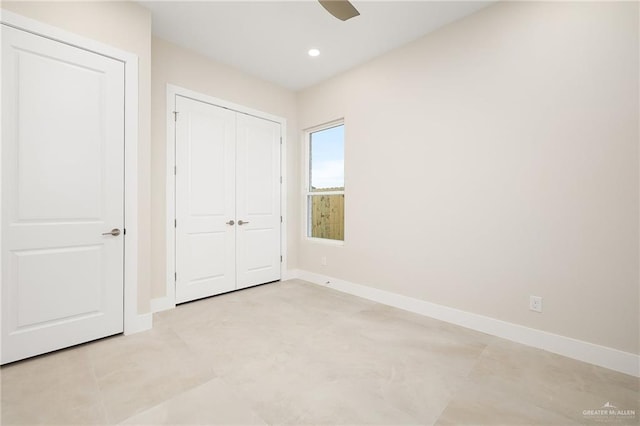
x: 341, y: 9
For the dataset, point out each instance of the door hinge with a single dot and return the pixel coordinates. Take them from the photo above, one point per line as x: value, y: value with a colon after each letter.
x: 280, y: 258
x: 124, y: 231
x: 280, y: 219
x: 175, y: 115
x: 175, y: 170
x: 175, y: 223
x: 280, y: 179
x: 175, y: 276
x: 280, y: 140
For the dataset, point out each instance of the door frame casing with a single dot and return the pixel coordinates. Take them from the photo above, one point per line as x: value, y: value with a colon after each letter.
x: 168, y: 301
x: 133, y: 322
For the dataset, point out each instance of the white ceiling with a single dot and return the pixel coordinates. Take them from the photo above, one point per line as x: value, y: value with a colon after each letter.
x: 270, y: 39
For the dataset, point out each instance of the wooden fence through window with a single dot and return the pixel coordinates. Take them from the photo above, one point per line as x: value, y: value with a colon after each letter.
x: 327, y: 216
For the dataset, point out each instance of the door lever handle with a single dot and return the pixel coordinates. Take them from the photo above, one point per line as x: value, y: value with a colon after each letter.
x: 242, y: 222
x: 115, y: 232
x: 231, y: 222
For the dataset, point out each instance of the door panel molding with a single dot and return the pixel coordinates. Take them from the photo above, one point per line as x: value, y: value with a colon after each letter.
x: 168, y: 301
x: 133, y: 322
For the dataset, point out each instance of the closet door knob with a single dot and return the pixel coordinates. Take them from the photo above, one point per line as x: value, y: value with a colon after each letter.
x: 231, y: 222
x: 242, y: 222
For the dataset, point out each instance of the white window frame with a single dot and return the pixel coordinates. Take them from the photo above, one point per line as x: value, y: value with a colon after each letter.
x: 306, y: 223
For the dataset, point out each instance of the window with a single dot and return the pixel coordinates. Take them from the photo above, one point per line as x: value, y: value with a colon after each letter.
x: 325, y: 182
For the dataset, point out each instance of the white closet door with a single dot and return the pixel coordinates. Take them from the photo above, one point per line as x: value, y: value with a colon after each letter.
x: 227, y: 200
x: 205, y: 200
x: 258, y: 201
x: 62, y: 188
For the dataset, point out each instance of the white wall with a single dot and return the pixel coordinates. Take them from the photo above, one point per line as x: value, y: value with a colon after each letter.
x: 126, y: 26
x: 172, y: 64
x: 494, y: 159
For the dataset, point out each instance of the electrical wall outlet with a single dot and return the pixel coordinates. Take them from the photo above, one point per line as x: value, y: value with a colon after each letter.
x: 535, y: 303
x: 323, y: 260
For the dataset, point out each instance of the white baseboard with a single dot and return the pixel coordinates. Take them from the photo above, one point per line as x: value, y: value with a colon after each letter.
x: 290, y: 274
x: 165, y: 303
x: 162, y: 304
x: 142, y: 322
x: 602, y: 356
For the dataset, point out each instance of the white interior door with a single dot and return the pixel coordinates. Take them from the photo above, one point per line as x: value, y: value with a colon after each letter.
x: 205, y: 199
x: 258, y: 201
x: 62, y: 188
x: 227, y: 228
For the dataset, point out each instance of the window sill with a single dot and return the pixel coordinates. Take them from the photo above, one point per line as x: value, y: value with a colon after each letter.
x: 325, y: 241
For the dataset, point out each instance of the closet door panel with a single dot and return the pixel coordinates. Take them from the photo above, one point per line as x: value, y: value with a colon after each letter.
x: 258, y: 201
x: 205, y: 199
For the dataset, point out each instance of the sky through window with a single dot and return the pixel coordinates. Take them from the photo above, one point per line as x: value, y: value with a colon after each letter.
x: 327, y: 158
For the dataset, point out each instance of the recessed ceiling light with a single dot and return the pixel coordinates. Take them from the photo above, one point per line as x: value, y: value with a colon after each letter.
x: 314, y: 52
